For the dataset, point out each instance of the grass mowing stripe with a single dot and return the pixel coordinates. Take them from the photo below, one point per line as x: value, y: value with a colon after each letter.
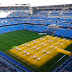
x: 8, y: 40
x: 16, y: 36
x: 9, y: 35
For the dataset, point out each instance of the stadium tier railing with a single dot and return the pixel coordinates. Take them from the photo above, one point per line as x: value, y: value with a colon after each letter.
x: 62, y: 66
x: 14, y: 62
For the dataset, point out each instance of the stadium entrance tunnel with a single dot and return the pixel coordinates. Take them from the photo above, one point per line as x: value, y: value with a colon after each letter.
x: 64, y: 51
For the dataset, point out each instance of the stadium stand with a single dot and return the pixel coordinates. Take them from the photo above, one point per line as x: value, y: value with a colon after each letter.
x: 13, y: 61
x: 66, y: 66
x: 5, y: 68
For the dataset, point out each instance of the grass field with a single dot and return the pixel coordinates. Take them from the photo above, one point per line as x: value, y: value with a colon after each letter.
x: 14, y: 39
x: 9, y: 40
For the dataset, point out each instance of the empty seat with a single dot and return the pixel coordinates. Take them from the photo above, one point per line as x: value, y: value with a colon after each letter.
x: 11, y: 28
x: 22, y: 26
x: 17, y: 14
x: 1, y: 31
x: 48, y: 18
x: 53, y: 19
x: 23, y: 14
x: 29, y: 21
x: 42, y: 29
x: 17, y: 27
x: 36, y: 28
x: 6, y: 23
x: 54, y: 14
x: 4, y: 29
x: 26, y: 27
x: 20, y: 22
x: 47, y: 22
x: 32, y: 17
x: 43, y: 18
x: 38, y: 22
x: 68, y: 20
x: 31, y: 27
x: 12, y: 22
x: 68, y: 33
x: 63, y: 24
x: 38, y: 17
x: 70, y: 25
x: 60, y: 32
x: 1, y: 24
x: 60, y: 20
x: 50, y: 30
x: 11, y: 15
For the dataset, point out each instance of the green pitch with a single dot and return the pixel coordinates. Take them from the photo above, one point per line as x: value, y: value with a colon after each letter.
x: 13, y: 39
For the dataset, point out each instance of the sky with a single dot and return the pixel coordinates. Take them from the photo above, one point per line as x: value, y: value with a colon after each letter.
x: 35, y: 2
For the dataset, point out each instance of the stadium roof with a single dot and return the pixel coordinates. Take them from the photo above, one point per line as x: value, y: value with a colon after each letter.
x: 35, y: 2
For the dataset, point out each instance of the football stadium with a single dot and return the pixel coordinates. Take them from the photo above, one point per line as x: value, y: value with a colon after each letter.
x: 35, y: 37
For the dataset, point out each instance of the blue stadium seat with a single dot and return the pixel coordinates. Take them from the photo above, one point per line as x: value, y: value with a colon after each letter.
x: 27, y: 27
x: 13, y: 22
x: 38, y: 22
x: 42, y: 29
x: 1, y: 31
x: 25, y: 18
x: 1, y: 24
x: 47, y: 22
x: 36, y: 28
x: 11, y: 28
x: 63, y: 24
x: 22, y: 14
x: 22, y: 26
x: 48, y: 18
x: 17, y: 14
x: 38, y: 17
x: 31, y: 27
x: 32, y: 17
x: 15, y: 19
x: 17, y: 27
x: 20, y: 22
x: 44, y: 13
x: 67, y: 14
x: 50, y: 30
x: 68, y: 20
x: 20, y: 18
x: 43, y: 18
x: 54, y: 14
x: 6, y: 23
x: 60, y: 20
x: 70, y: 25
x: 53, y: 19
x: 68, y: 33
x: 11, y: 15
x: 60, y: 32
x: 4, y: 29
x: 29, y: 21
